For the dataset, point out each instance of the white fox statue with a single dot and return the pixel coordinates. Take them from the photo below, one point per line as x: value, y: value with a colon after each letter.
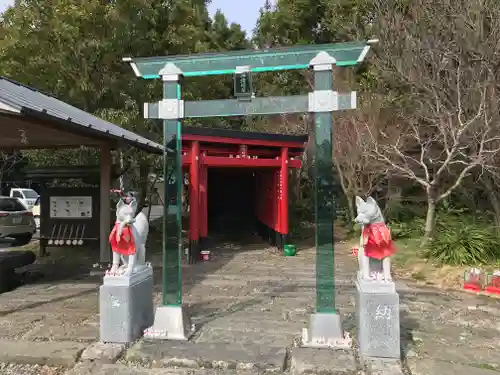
x: 375, y: 241
x: 128, y: 239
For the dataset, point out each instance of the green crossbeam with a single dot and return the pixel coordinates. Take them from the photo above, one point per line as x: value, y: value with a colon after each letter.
x: 257, y: 106
x: 275, y: 59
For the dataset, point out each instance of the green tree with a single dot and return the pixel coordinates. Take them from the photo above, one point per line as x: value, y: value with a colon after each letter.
x: 292, y: 22
x: 313, y: 21
x: 73, y: 50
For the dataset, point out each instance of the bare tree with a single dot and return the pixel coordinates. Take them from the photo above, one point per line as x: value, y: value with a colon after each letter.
x: 8, y: 161
x: 441, y: 57
x: 359, y: 173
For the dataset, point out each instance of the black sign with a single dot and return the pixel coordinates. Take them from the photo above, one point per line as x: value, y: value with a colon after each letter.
x: 243, y: 85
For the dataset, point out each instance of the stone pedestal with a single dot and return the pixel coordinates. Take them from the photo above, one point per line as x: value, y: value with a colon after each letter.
x: 126, y: 306
x: 378, y: 331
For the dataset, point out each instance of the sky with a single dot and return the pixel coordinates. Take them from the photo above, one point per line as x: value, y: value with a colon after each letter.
x: 243, y: 12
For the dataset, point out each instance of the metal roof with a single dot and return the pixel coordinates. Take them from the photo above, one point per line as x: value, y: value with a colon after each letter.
x: 20, y: 99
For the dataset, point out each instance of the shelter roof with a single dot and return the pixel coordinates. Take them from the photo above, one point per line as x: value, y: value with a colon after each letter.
x: 32, y: 119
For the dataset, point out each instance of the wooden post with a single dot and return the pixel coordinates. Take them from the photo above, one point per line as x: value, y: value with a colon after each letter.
x: 203, y: 204
x: 283, y: 197
x: 194, y: 203
x: 105, y: 206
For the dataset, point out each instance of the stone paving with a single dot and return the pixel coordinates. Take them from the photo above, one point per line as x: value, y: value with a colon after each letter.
x: 249, y: 305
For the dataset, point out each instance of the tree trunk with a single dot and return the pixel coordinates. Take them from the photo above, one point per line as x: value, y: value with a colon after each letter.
x: 430, y: 220
x: 150, y: 196
x: 494, y: 201
x: 350, y: 208
x: 143, y: 182
x: 345, y: 184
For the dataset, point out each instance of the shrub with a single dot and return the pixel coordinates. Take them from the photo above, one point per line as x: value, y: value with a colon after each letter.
x: 402, y: 212
x: 407, y: 229
x: 462, y: 243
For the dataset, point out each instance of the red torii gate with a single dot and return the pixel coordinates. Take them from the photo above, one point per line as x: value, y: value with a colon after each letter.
x: 269, y: 155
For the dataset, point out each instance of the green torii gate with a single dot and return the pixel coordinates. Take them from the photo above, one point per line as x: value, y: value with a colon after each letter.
x: 171, y: 321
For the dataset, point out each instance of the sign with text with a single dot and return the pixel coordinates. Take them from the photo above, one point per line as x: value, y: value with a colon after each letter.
x: 243, y: 84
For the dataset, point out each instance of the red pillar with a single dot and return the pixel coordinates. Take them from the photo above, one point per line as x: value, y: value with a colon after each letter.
x: 274, y: 204
x: 284, y: 196
x: 203, y: 203
x: 194, y: 199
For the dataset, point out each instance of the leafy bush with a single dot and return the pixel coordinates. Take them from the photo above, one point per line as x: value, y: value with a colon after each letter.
x: 462, y: 243
x: 407, y: 229
x: 302, y: 210
x: 405, y: 219
x: 403, y: 212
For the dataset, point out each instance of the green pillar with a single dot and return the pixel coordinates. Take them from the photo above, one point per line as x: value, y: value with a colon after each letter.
x: 172, y: 221
x: 324, y: 195
x: 325, y: 328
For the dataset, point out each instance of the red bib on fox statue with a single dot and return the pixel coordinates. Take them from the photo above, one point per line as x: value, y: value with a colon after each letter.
x: 125, y: 245
x: 377, y: 240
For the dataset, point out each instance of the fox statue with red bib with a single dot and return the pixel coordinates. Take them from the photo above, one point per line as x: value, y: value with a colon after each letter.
x: 377, y: 301
x: 128, y: 239
x: 126, y: 294
x: 375, y: 244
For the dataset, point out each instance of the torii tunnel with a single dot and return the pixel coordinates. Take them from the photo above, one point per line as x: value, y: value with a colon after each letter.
x: 240, y: 175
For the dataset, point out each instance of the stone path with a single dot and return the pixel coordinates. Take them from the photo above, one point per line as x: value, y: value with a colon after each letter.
x: 255, y: 296
x: 249, y: 305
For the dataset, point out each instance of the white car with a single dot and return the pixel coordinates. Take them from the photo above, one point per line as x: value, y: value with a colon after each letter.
x: 36, y: 212
x: 16, y: 221
x: 27, y: 196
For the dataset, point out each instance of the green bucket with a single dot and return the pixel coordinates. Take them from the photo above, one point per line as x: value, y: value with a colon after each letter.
x: 289, y: 250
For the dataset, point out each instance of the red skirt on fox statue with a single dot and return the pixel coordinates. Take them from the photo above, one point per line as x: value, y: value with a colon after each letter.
x: 377, y: 241
x: 125, y: 245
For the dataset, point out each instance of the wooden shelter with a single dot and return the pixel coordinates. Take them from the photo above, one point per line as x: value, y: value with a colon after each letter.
x: 30, y: 119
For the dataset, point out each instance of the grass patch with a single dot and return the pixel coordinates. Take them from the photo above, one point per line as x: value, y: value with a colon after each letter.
x: 408, y: 252
x: 410, y: 263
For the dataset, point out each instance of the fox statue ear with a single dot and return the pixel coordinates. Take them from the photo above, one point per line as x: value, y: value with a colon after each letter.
x: 359, y: 201
x: 133, y: 204
x: 120, y: 204
x: 372, y: 202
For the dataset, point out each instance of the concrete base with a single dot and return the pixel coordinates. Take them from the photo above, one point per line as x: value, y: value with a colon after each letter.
x: 50, y: 353
x: 221, y: 358
x: 170, y: 323
x: 384, y: 366
x: 378, y: 330
x: 316, y: 361
x: 125, y: 307
x: 325, y: 331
